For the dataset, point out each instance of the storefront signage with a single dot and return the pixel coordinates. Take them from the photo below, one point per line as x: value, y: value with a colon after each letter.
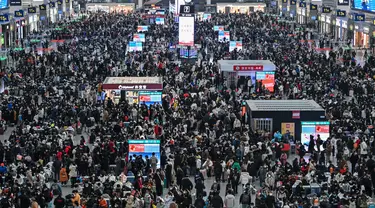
x: 4, y: 17
x: 343, y: 2
x: 359, y: 17
x: 313, y: 7
x: 248, y: 68
x: 15, y: 3
x: 19, y: 13
x: 341, y: 13
x: 42, y: 7
x: 326, y: 10
x: 296, y: 114
x: 31, y: 10
x: 293, y: 2
x: 52, y: 4
x: 302, y: 4
x: 133, y: 87
x: 59, y: 2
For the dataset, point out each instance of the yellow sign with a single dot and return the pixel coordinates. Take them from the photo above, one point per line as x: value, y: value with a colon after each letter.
x: 288, y: 127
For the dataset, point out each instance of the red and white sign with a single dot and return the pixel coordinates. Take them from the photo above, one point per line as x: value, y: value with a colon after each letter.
x: 247, y: 68
x: 186, y: 31
x: 296, y: 114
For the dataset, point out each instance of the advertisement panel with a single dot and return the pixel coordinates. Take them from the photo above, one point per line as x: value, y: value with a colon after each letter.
x: 139, y: 37
x: 267, y: 78
x: 235, y: 44
x: 218, y: 28
x: 224, y: 36
x: 142, y: 28
x: 313, y: 128
x: 135, y: 46
x: 145, y: 148
x: 185, y: 53
x: 14, y: 2
x: 186, y: 31
x: 206, y: 17
x: 150, y: 97
x: 159, y: 21
x: 288, y: 127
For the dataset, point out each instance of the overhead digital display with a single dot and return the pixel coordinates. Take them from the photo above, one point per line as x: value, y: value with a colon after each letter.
x: 185, y: 53
x: 218, y: 28
x: 267, y: 78
x: 142, y: 28
x: 314, y: 128
x: 366, y: 5
x: 186, y: 31
x: 145, y: 148
x: 343, y: 2
x: 150, y: 97
x: 135, y: 46
x: 4, y: 4
x: 235, y: 44
x: 15, y: 2
x: 341, y: 13
x: 224, y: 36
x: 159, y: 21
x: 139, y: 37
x: 206, y: 17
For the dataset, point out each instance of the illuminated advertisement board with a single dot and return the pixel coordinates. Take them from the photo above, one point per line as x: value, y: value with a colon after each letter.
x: 235, y: 44
x: 145, y: 148
x: 139, y: 37
x: 313, y: 128
x: 150, y: 97
x: 159, y: 21
x: 268, y: 79
x: 218, y: 28
x: 186, y: 31
x: 224, y: 35
x: 135, y: 46
x: 206, y: 17
x: 142, y: 28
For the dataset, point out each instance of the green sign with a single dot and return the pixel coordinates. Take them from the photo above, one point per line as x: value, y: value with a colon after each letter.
x: 132, y: 141
x: 315, y: 123
x: 3, y: 58
x: 18, y: 49
x: 34, y: 41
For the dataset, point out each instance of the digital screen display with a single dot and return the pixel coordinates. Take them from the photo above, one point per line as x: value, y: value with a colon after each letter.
x: 235, y: 44
x: 142, y: 28
x: 4, y: 4
x: 135, y: 46
x: 150, y: 97
x: 341, y: 13
x: 160, y: 12
x: 139, y: 37
x: 366, y: 5
x: 314, y: 129
x: 186, y: 31
x: 218, y: 28
x: 224, y: 35
x: 185, y: 53
x: 159, y: 21
x: 31, y: 10
x: 268, y: 79
x: 206, y: 17
x: 145, y: 147
x: 359, y: 17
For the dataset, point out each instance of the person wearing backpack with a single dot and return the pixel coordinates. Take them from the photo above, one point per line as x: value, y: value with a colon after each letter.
x: 56, y: 188
x: 154, y: 161
x: 59, y: 202
x: 245, y: 199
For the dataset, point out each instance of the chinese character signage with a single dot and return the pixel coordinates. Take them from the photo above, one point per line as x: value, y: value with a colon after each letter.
x: 186, y: 31
x: 313, y: 7
x: 42, y: 7
x: 341, y: 13
x: 4, y: 18
x: 248, y: 68
x: 15, y: 3
x: 19, y: 13
x: 359, y: 17
x: 326, y: 10
x: 31, y: 10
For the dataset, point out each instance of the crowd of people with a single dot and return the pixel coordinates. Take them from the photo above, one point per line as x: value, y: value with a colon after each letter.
x: 52, y: 96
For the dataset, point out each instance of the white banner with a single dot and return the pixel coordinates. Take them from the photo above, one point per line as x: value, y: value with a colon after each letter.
x: 186, y: 31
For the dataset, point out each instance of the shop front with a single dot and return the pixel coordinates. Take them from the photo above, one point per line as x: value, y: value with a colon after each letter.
x: 325, y: 23
x: 236, y: 71
x: 243, y: 8
x: 136, y: 90
x: 111, y: 7
x: 32, y: 22
x: 20, y: 30
x: 301, y: 15
x: 341, y: 28
x: 361, y: 35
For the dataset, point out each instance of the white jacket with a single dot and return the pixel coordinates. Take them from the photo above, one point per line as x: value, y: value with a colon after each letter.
x: 245, y: 178
x: 363, y: 146
x: 230, y: 201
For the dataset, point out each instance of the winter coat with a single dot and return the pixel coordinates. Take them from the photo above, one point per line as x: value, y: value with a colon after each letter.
x: 245, y: 178
x: 73, y: 171
x: 230, y: 201
x: 63, y: 175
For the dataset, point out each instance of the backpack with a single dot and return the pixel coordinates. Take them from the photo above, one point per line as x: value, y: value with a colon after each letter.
x: 246, y: 199
x: 153, y: 160
x: 55, y: 189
